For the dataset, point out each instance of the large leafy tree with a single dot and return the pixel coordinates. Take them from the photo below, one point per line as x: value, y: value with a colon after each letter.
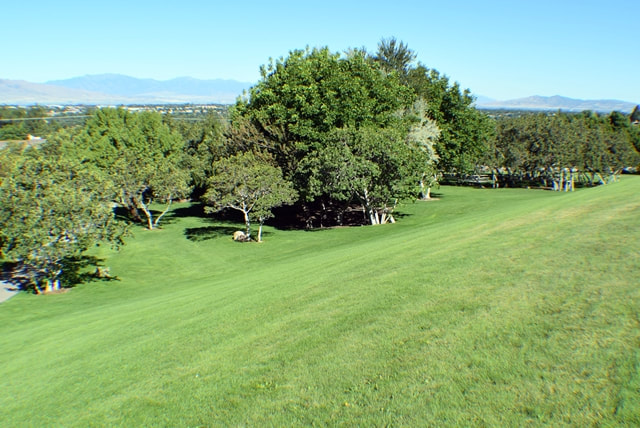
x: 422, y: 137
x: 338, y: 127
x: 465, y: 131
x: 375, y: 166
x: 53, y: 209
x: 250, y: 183
x: 142, y: 156
x: 205, y: 143
x: 300, y: 100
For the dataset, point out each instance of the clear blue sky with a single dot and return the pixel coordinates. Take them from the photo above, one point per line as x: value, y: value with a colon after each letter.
x: 500, y: 49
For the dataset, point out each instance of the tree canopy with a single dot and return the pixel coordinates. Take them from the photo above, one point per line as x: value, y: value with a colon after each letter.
x: 394, y: 56
x: 142, y: 156
x: 250, y: 183
x: 464, y: 131
x: 542, y: 148
x: 319, y: 112
x: 302, y: 98
x: 53, y: 209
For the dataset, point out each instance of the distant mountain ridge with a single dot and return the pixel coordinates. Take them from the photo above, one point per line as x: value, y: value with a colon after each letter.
x: 114, y: 89
x: 117, y: 84
x: 120, y: 89
x: 20, y: 92
x: 557, y: 102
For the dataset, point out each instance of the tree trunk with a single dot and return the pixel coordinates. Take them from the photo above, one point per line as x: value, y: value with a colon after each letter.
x: 133, y: 209
x: 37, y: 288
x: 150, y: 223
x: 247, y: 223
x: 323, y: 214
x: 149, y: 216
x: 554, y: 180
x: 166, y: 210
x: 370, y: 211
x: 307, y: 217
x: 613, y: 175
x: 572, y: 181
x: 52, y: 285
x: 373, y: 214
x: 423, y: 193
x: 387, y: 218
x: 260, y: 229
x: 387, y: 214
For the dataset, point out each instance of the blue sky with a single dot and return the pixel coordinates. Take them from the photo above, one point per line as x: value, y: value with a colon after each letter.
x: 500, y: 49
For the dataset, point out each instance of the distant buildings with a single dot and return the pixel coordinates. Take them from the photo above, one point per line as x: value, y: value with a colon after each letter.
x: 30, y: 141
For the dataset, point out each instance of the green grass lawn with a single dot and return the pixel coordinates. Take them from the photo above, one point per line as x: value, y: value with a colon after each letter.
x: 484, y: 308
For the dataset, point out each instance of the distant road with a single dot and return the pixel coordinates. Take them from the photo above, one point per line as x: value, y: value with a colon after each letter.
x: 6, y: 291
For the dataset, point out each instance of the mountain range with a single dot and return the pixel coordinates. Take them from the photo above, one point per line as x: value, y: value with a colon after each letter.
x: 119, y: 89
x: 115, y: 89
x: 556, y: 102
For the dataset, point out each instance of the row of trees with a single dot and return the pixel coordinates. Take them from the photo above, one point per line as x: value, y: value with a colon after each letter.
x: 321, y: 130
x: 557, y: 150
x: 58, y: 200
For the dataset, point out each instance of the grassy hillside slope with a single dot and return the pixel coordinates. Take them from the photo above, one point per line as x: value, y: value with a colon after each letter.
x: 486, y: 307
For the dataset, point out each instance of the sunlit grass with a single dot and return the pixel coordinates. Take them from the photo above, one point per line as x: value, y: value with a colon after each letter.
x: 486, y: 307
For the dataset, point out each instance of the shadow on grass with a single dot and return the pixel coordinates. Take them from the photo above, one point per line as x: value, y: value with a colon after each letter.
x: 197, y: 234
x: 75, y: 271
x: 195, y: 209
x: 399, y: 215
x: 122, y: 214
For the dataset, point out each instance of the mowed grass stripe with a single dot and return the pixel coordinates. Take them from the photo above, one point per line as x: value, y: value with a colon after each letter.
x: 485, y: 307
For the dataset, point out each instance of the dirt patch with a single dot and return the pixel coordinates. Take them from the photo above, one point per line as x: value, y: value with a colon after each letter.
x: 61, y: 291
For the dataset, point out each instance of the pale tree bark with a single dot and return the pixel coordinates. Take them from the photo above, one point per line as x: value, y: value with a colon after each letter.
x: 372, y: 212
x: 147, y: 213
x: 387, y: 216
x: 613, y: 175
x: 556, y: 180
x: 425, y: 191
x: 151, y: 223
x: 425, y: 188
x: 166, y: 210
x: 260, y: 229
x: 52, y: 285
x: 247, y: 220
x: 369, y: 210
